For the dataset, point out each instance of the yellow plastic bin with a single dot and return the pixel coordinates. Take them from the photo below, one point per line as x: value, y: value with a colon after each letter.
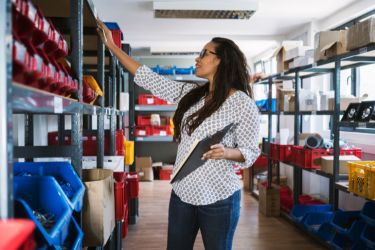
x: 93, y: 84
x: 129, y: 152
x: 362, y: 178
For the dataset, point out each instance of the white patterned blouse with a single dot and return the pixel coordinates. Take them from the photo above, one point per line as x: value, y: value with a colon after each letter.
x: 216, y: 179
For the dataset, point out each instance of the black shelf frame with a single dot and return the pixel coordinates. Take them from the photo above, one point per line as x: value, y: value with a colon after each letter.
x: 332, y: 66
x: 76, y: 18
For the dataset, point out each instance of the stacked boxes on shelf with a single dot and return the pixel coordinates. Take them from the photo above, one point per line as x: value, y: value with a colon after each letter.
x: 39, y: 51
x: 147, y: 127
x: 48, y: 193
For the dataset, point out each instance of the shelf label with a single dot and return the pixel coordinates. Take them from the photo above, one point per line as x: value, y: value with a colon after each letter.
x: 313, y: 112
x: 281, y: 113
x: 163, y: 133
x: 57, y: 105
x: 140, y: 138
x: 314, y: 65
x: 179, y: 78
x: 362, y: 50
x: 94, y: 110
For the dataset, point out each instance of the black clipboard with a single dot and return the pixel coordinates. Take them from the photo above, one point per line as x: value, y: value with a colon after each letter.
x: 193, y: 160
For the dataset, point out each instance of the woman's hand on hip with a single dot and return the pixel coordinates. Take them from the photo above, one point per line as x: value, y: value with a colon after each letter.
x: 216, y: 152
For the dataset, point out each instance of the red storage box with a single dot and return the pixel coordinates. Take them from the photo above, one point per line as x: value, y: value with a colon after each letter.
x: 120, y: 178
x: 148, y: 99
x: 133, y: 184
x: 17, y: 234
x: 353, y: 151
x: 165, y: 174
x: 52, y: 43
x: 160, y: 130
x: 260, y: 162
x: 117, y: 35
x: 143, y: 120
x: 308, y: 158
x: 42, y: 29
x: 125, y: 224
x: 20, y: 61
x: 26, y: 19
x: 143, y: 131
x: 285, y: 153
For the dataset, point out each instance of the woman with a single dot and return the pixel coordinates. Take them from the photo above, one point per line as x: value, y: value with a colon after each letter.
x: 209, y: 198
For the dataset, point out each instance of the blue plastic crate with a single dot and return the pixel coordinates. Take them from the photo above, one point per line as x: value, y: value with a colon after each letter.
x: 360, y: 245
x: 64, y: 174
x: 348, y: 240
x: 75, y: 237
x: 368, y: 213
x: 368, y: 236
x: 299, y: 212
x: 43, y: 194
x: 314, y: 220
x: 263, y: 105
x: 326, y: 232
x: 184, y: 71
x: 343, y: 220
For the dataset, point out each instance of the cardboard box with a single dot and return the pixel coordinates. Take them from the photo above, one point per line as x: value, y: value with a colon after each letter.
x: 289, y: 103
x: 302, y: 61
x: 143, y: 167
x: 361, y: 34
x: 295, y: 52
x: 98, y: 212
x: 279, y: 54
x: 114, y: 163
x: 344, y: 102
x: 327, y: 163
x: 280, y: 93
x: 246, y: 179
x: 269, y: 201
x: 329, y: 44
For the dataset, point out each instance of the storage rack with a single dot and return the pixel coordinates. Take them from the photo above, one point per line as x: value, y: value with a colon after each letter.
x: 333, y: 66
x: 77, y: 19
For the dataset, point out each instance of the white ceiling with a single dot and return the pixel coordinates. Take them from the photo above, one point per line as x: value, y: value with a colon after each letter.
x: 271, y: 23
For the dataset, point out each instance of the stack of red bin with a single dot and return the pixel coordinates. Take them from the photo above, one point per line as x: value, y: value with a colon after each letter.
x: 90, y: 143
x: 132, y: 186
x: 144, y: 127
x: 37, y: 48
x: 148, y: 99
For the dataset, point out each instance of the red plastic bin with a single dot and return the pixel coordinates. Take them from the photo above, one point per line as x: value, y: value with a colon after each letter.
x: 20, y: 61
x: 274, y: 151
x: 165, y: 174
x: 120, y: 178
x: 133, y: 184
x: 260, y: 162
x: 160, y: 130
x: 143, y: 131
x: 25, y: 19
x: 285, y: 153
x: 308, y: 158
x: 17, y: 234
x: 148, y: 99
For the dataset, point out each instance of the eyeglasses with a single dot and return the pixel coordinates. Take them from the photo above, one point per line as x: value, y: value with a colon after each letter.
x: 204, y: 53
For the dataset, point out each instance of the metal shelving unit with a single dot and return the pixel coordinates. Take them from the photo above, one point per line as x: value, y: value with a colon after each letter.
x: 74, y: 18
x: 156, y: 108
x: 333, y: 66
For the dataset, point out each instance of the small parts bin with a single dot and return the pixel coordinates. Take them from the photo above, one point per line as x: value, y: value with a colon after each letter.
x: 116, y: 32
x: 362, y: 178
x: 165, y: 174
x: 121, y: 197
x: 133, y: 182
x: 148, y: 99
x: 17, y: 234
x: 299, y: 212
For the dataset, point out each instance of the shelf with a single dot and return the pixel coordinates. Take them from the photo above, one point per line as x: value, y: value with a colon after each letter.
x: 30, y: 100
x: 327, y: 112
x: 356, y: 58
x: 160, y: 108
x: 155, y: 139
x: 343, y: 186
x: 359, y: 127
x: 188, y: 78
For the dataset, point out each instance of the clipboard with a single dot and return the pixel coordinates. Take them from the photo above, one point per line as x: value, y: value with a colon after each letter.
x: 193, y: 159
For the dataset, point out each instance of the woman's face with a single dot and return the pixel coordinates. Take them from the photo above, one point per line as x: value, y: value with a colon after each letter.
x: 207, y: 62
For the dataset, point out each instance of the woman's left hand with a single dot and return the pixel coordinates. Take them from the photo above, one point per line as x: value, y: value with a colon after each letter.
x: 216, y: 152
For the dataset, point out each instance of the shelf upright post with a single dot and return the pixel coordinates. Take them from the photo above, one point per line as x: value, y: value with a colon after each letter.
x: 297, y: 172
x: 76, y: 15
x: 112, y: 121
x: 6, y: 138
x: 119, y: 88
x: 131, y: 89
x: 101, y: 115
x: 336, y: 135
x: 270, y: 81
x: 29, y: 132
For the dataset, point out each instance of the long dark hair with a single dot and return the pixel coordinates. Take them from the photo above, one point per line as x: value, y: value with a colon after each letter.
x: 232, y: 73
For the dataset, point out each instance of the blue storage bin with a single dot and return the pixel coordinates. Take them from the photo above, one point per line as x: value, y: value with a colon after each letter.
x: 314, y: 220
x: 368, y: 213
x: 299, y: 212
x: 64, y: 174
x: 74, y: 239
x: 368, y: 236
x: 349, y: 240
x: 360, y: 245
x: 184, y: 71
x: 326, y: 232
x: 343, y: 220
x: 43, y: 194
x: 263, y: 105
x: 167, y: 71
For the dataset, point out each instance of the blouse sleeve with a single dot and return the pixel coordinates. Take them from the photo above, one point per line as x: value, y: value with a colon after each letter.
x: 160, y: 86
x: 247, y: 133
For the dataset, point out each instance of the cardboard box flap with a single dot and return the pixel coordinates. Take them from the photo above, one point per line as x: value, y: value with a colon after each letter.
x: 89, y: 175
x: 277, y: 51
x: 329, y: 46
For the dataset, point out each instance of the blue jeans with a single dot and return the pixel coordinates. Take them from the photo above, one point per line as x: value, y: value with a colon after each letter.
x: 216, y: 221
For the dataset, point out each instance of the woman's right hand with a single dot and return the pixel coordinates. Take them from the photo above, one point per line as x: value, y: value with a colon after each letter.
x: 105, y: 34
